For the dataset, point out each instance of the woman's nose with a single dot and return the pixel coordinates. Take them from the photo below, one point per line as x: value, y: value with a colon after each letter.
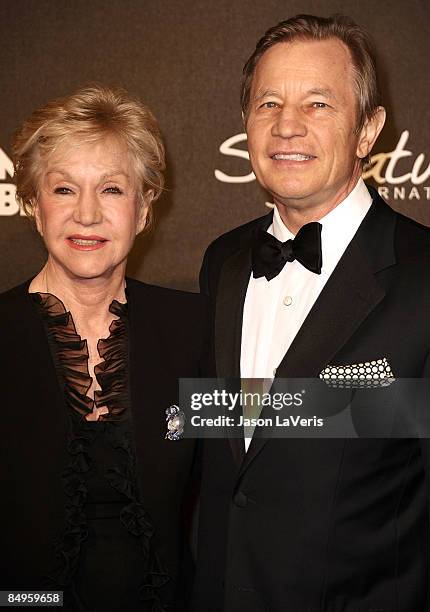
x: 88, y: 210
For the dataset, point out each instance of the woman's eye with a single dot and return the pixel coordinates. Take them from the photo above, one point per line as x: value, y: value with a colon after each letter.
x: 62, y: 190
x: 112, y: 190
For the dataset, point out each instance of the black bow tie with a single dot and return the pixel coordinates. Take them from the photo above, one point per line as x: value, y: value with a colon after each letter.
x: 270, y: 255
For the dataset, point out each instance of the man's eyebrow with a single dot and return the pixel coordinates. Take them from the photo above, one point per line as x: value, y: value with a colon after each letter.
x: 321, y: 91
x: 265, y: 93
x: 314, y: 91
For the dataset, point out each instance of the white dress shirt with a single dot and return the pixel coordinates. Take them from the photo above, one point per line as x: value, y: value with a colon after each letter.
x: 275, y: 310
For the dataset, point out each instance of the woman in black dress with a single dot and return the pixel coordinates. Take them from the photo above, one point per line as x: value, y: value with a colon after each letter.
x: 92, y: 491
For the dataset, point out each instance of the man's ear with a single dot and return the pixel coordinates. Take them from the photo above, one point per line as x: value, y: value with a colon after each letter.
x: 245, y: 119
x: 370, y: 132
x: 142, y: 212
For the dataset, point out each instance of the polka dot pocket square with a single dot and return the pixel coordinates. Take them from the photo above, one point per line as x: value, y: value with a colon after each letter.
x: 375, y: 373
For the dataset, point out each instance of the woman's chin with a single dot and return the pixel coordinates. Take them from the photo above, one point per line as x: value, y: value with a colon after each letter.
x: 93, y: 273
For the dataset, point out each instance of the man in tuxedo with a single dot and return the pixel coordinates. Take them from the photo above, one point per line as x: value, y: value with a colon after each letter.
x: 331, y: 279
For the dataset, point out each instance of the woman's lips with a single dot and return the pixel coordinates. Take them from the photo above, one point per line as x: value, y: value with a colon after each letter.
x: 86, y: 243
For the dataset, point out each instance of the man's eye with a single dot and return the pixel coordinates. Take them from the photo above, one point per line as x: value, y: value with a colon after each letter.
x: 319, y: 105
x: 112, y: 190
x: 62, y: 190
x: 269, y: 105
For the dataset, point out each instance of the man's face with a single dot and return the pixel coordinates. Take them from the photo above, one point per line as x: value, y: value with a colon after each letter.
x: 302, y: 124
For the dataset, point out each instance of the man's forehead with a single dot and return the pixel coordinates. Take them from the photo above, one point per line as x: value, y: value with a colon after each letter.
x: 301, y: 54
x: 317, y: 63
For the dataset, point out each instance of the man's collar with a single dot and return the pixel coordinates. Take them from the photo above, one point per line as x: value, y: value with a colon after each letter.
x: 339, y: 225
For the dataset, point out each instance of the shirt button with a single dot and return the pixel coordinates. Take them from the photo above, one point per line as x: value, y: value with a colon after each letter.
x: 240, y: 500
x: 288, y: 300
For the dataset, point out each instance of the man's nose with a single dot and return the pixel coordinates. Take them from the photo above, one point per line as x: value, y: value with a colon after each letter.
x: 290, y: 122
x: 87, y: 211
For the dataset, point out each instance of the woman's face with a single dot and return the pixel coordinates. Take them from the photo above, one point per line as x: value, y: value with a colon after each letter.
x: 88, y: 208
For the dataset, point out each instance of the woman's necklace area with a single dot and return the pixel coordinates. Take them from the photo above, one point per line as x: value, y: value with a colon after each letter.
x: 97, y: 411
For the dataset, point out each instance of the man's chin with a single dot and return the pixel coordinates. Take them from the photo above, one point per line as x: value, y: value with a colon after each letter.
x: 295, y: 199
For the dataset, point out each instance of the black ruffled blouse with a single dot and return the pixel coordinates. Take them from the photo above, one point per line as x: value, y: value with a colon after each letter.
x: 104, y: 557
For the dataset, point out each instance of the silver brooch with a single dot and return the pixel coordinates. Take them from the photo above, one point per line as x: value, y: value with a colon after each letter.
x: 175, y: 422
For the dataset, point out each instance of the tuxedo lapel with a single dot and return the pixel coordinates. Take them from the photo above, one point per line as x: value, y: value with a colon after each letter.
x: 230, y: 299
x: 349, y: 296
x: 231, y: 294
x: 233, y: 284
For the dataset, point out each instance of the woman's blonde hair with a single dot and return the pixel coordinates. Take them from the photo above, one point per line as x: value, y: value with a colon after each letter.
x: 90, y: 114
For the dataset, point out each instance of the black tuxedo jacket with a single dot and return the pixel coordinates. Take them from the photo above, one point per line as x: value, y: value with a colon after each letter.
x: 329, y: 525
x: 166, y: 333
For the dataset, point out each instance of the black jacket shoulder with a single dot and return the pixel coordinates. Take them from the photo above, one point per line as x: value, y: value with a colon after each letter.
x: 234, y: 239
x: 15, y: 306
x: 412, y: 239
x: 163, y: 296
x: 10, y: 296
x: 223, y: 247
x: 178, y: 319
